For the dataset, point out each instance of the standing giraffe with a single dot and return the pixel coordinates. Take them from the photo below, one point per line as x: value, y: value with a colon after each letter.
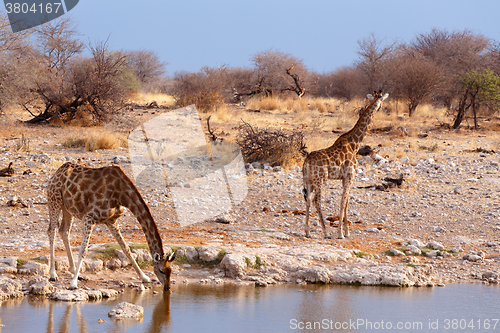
x: 337, y: 162
x: 99, y: 195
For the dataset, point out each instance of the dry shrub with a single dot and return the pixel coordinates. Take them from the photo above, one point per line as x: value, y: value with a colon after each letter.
x: 95, y: 141
x: 204, y: 101
x: 274, y: 147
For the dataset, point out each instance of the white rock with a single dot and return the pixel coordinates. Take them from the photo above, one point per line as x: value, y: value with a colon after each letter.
x: 396, y: 252
x: 235, y: 264
x: 208, y: 253
x: 432, y: 254
x: 33, y: 267
x: 43, y: 287
x: 78, y: 295
x: 188, y: 251
x: 314, y: 274
x: 126, y: 310
x: 381, y: 274
x: 413, y: 249
x: 436, y: 245
x: 404, y: 159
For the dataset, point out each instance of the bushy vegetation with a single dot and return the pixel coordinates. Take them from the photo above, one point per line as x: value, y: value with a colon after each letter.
x: 56, y: 77
x: 50, y: 73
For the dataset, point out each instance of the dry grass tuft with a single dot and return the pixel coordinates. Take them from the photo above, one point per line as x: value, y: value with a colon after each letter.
x: 265, y: 103
x: 96, y: 140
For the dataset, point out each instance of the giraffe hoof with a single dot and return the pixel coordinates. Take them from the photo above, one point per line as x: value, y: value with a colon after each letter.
x: 328, y: 237
x: 81, y: 278
x: 73, y: 287
x: 340, y: 237
x: 53, y: 279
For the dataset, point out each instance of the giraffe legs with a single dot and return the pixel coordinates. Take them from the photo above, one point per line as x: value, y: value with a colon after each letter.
x: 64, y: 230
x: 307, y: 197
x: 87, y: 232
x: 317, y: 204
x: 113, y: 227
x: 344, y: 203
x: 54, y: 221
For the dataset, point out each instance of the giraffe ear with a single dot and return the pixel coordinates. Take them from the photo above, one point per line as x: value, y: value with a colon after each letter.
x: 383, y: 98
x: 156, y: 257
x: 370, y: 97
x: 171, y: 257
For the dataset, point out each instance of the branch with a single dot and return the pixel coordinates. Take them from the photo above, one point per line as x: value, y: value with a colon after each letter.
x: 300, y: 91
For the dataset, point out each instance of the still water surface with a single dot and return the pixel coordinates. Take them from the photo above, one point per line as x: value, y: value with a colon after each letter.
x: 285, y: 308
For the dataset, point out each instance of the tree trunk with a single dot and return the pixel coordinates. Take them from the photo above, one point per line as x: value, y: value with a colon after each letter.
x: 411, y: 108
x: 461, y: 110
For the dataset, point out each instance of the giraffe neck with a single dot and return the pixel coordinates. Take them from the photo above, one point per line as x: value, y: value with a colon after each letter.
x: 132, y: 199
x: 357, y: 134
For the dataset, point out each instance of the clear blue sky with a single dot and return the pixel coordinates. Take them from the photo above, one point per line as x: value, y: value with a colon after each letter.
x: 324, y: 34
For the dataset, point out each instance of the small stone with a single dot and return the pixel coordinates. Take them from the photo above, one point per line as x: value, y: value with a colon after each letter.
x: 412, y: 249
x: 489, y: 275
x: 208, y: 253
x: 126, y: 310
x: 436, y: 245
x: 432, y: 254
x: 404, y: 159
x: 417, y: 243
x: 396, y: 252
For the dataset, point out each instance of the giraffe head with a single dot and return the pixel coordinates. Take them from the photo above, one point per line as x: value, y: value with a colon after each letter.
x: 378, y: 97
x: 162, y: 267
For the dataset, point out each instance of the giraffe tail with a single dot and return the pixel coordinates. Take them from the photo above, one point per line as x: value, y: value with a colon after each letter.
x: 304, y: 190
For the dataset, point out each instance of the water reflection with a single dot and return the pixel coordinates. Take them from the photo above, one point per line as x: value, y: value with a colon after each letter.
x: 160, y: 321
x: 229, y: 308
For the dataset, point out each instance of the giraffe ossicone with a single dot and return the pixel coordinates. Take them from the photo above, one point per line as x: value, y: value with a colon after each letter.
x: 98, y: 196
x: 337, y: 162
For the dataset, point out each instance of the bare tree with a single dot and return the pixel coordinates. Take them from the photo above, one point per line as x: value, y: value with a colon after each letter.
x: 58, y: 41
x: 373, y: 62
x: 16, y: 58
x: 95, y: 85
x: 146, y: 66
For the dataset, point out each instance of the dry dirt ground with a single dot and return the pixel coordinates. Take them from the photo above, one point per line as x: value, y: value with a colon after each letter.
x: 450, y: 195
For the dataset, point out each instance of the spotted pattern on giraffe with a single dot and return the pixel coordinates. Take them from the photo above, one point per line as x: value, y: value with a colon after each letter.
x: 337, y: 162
x: 98, y: 196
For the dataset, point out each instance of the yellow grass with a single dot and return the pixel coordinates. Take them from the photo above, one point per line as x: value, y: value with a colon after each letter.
x: 96, y: 140
x: 146, y: 98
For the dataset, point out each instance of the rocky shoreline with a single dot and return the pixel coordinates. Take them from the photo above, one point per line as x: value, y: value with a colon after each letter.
x: 270, y: 266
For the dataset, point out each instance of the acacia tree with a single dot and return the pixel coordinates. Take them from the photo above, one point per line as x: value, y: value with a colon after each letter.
x: 279, y: 72
x: 414, y: 77
x: 205, y: 89
x: 455, y: 53
x: 480, y: 87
